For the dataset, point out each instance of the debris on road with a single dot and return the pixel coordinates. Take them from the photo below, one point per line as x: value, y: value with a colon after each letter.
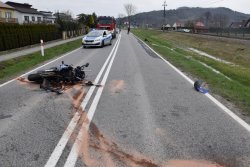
x: 57, y: 76
x: 201, y: 86
x: 59, y: 88
x: 90, y: 83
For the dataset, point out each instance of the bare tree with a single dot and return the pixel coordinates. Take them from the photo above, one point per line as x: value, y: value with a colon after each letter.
x: 130, y: 10
x: 69, y: 13
x: 120, y: 15
x: 120, y: 18
x: 208, y: 16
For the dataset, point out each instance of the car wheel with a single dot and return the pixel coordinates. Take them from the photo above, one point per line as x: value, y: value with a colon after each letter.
x: 102, y: 44
x: 83, y: 46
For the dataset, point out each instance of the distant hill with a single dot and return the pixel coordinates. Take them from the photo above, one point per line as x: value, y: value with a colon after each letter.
x: 209, y: 16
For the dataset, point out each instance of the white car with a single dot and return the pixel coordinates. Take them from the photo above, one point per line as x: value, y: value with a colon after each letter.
x: 117, y: 30
x: 186, y: 30
x: 97, y: 38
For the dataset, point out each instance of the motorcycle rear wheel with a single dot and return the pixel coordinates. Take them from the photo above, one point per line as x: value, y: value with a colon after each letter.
x: 35, y: 78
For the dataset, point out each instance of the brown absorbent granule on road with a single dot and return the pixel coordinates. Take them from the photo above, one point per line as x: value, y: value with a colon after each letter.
x: 111, y: 154
x: 30, y: 85
x: 78, y: 98
x: 191, y: 163
x: 109, y: 150
x: 76, y: 94
x: 116, y: 86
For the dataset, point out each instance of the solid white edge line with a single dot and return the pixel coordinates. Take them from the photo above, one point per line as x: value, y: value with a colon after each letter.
x: 219, y: 104
x: 39, y: 67
x: 73, y: 155
x: 57, y: 152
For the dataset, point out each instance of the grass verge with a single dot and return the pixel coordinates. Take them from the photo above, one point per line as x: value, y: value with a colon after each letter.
x: 233, y: 50
x: 15, y: 66
x: 236, y: 89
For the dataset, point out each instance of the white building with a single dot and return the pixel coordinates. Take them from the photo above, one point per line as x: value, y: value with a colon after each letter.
x: 48, y: 17
x: 178, y: 25
x: 25, y: 13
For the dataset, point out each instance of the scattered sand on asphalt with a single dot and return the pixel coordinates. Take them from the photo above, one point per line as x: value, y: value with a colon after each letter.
x: 77, y: 97
x: 191, y: 163
x: 97, y: 150
x: 116, y: 86
x: 30, y: 85
x: 110, y: 153
x: 160, y: 131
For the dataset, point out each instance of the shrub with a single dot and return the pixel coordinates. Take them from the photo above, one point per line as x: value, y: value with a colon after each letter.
x: 15, y: 35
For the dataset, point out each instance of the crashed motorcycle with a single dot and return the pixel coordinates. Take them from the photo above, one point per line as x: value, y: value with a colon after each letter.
x: 52, y: 79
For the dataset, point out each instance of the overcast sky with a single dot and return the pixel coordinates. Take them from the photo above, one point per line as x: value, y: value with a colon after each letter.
x: 114, y: 7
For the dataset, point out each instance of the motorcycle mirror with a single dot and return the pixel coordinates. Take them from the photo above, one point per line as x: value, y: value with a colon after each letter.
x: 87, y: 64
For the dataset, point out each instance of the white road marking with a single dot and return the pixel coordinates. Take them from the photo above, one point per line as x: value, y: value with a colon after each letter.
x: 72, y: 158
x: 219, y: 104
x: 56, y: 154
x: 229, y: 112
x: 39, y: 67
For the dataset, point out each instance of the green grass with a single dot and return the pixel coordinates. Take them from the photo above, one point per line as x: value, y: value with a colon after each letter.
x: 236, y: 90
x: 235, y: 51
x: 13, y: 67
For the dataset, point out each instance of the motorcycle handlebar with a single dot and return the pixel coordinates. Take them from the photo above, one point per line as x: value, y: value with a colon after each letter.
x: 85, y: 65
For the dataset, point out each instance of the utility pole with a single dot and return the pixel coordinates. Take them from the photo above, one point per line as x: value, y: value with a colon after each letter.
x: 164, y: 5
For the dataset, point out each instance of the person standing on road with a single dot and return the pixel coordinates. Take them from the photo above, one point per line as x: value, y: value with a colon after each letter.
x: 128, y: 29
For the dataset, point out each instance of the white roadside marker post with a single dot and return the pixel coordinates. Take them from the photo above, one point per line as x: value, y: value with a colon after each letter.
x: 42, y: 48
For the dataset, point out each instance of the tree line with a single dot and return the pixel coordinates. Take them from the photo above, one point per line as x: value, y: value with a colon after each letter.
x: 15, y: 36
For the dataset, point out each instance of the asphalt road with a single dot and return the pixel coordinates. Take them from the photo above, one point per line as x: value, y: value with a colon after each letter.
x: 144, y: 114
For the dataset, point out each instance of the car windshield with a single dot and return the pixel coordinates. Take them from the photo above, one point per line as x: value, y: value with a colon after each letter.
x: 95, y: 34
x: 105, y: 21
